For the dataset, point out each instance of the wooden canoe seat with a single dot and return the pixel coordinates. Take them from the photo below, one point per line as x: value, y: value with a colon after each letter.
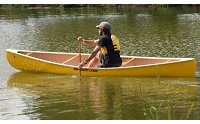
x: 29, y: 54
x: 172, y: 60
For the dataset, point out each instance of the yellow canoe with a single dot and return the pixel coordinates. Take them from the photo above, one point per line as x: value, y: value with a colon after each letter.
x: 67, y: 63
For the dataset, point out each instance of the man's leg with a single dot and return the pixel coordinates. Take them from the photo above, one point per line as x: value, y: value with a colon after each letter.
x: 94, y: 61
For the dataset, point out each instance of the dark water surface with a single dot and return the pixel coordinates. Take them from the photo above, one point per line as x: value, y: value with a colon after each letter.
x: 161, y: 32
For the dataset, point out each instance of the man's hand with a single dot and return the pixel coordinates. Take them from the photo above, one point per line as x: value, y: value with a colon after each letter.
x: 80, y: 39
x: 82, y: 64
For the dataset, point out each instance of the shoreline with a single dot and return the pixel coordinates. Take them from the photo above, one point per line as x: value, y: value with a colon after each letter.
x: 48, y: 6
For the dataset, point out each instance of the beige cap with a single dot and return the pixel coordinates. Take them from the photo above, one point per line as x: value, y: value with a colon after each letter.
x: 104, y: 25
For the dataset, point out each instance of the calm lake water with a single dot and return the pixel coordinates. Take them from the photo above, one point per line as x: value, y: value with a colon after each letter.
x: 161, y: 32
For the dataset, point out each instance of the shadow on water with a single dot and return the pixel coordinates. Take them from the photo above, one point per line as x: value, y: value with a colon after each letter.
x: 63, y: 97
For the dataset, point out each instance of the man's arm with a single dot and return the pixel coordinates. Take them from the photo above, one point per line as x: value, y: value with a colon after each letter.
x: 91, y: 42
x: 91, y: 56
x: 88, y: 42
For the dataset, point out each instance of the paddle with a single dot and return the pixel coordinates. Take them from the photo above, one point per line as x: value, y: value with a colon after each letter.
x: 79, y: 45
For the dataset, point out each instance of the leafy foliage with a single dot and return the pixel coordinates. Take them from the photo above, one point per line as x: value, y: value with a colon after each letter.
x: 93, y: 5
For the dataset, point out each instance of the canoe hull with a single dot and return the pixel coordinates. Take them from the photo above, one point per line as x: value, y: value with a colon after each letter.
x: 22, y: 62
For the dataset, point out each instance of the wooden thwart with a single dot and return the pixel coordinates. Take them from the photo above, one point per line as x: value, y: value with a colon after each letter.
x: 70, y: 59
x: 127, y: 63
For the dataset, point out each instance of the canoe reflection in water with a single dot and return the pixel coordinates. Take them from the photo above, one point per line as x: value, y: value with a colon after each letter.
x: 49, y: 96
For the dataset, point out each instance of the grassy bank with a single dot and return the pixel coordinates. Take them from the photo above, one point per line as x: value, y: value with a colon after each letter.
x: 91, y: 5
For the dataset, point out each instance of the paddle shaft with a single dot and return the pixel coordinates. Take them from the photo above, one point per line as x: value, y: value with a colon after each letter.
x: 79, y: 57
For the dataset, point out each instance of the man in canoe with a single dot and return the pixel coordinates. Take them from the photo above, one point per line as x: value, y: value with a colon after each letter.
x: 107, y: 49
